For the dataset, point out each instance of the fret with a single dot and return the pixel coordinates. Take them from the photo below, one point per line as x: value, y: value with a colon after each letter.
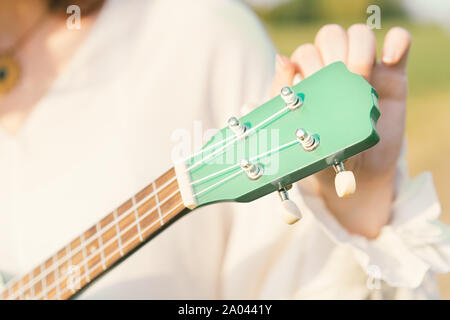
x: 106, y: 221
x: 157, y: 204
x: 85, y: 256
x: 68, y: 268
x: 149, y: 204
x: 50, y: 278
x: 63, y: 269
x: 168, y: 212
x: 109, y: 234
x: 118, y: 232
x: 149, y: 220
x: 27, y: 294
x: 24, y: 282
x: 77, y: 258
x: 44, y: 284
x: 94, y: 258
x: 61, y: 254
x: 75, y: 244
x: 103, y: 244
x: 100, y: 241
x: 48, y: 263
x: 93, y: 246
x: 128, y: 228
x: 167, y: 191
x: 167, y: 176
x: 112, y: 253
x: 37, y: 288
x: 136, y: 217
x: 51, y: 293
x: 126, y: 221
x: 129, y: 241
x: 58, y: 292
x: 15, y: 288
x: 63, y: 282
x: 97, y: 268
x: 91, y: 232
x: 26, y: 279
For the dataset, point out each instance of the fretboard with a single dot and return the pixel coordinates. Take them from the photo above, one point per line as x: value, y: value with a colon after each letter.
x: 103, y: 245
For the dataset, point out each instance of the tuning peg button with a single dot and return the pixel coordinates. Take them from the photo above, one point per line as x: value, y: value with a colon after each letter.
x: 236, y: 126
x: 289, y: 210
x: 308, y: 142
x: 344, y: 181
x: 254, y: 170
x: 291, y: 100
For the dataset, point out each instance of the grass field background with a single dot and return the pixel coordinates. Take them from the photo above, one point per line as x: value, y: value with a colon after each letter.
x: 428, y: 119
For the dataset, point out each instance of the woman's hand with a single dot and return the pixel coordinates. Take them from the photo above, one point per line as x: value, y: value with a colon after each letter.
x: 368, y: 210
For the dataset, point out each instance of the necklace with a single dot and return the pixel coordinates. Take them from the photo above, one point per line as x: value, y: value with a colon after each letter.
x: 9, y: 66
x: 9, y: 72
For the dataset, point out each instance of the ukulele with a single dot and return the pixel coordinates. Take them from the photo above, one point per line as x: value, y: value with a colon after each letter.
x: 318, y: 123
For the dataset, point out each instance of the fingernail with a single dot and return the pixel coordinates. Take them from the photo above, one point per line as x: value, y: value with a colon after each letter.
x: 282, y: 61
x: 388, y: 57
x: 297, y: 79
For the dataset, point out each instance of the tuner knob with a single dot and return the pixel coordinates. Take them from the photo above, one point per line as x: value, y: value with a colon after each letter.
x: 289, y: 210
x: 291, y: 100
x: 344, y: 181
x: 307, y: 141
x: 254, y: 170
x: 236, y: 126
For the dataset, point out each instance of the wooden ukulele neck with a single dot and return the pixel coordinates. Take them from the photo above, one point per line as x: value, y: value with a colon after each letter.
x: 101, y: 246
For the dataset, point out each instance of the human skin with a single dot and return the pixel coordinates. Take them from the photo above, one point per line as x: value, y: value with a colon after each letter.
x: 364, y: 213
x: 43, y: 55
x: 369, y: 209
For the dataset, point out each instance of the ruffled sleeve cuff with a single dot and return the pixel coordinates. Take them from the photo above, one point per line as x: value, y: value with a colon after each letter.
x: 413, y: 243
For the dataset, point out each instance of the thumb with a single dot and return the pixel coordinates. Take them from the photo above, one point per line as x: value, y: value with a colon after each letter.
x: 284, y: 74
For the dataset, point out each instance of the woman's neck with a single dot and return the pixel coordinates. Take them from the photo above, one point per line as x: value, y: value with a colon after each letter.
x: 42, y: 57
x: 17, y: 18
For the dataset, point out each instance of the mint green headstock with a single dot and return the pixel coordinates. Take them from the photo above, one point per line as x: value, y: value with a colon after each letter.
x: 339, y: 108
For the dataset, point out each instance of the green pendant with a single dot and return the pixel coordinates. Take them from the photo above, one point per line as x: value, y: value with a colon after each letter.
x: 9, y: 73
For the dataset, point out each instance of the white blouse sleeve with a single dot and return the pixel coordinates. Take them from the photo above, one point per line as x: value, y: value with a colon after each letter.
x: 414, y: 243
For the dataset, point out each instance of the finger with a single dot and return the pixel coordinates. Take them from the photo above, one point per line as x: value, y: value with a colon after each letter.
x: 362, y: 50
x: 307, y: 59
x: 331, y: 41
x: 396, y: 47
x: 284, y: 74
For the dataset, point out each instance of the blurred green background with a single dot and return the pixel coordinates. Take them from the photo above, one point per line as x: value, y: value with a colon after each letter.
x: 290, y: 23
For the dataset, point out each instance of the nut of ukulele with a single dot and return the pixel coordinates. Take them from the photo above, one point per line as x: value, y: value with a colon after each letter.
x: 344, y: 181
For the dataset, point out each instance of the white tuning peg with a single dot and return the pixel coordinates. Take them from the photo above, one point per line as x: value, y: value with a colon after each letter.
x: 344, y: 181
x: 289, y: 210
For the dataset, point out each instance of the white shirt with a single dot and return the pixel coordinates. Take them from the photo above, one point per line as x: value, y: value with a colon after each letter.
x: 149, y: 72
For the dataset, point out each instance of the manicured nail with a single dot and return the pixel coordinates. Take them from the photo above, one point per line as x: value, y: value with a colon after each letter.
x: 388, y: 57
x: 297, y: 79
x: 282, y: 61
